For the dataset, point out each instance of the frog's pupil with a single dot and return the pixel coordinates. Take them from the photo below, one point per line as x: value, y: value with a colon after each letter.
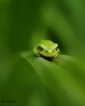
x: 56, y: 47
x: 40, y: 48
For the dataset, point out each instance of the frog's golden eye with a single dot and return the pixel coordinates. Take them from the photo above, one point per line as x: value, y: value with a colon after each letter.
x: 40, y: 48
x: 57, y: 48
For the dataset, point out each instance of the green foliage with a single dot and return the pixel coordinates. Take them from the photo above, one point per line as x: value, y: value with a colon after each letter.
x: 59, y: 77
x: 38, y: 82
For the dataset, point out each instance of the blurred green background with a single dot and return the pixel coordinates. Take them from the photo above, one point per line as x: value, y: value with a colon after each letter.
x: 23, y: 23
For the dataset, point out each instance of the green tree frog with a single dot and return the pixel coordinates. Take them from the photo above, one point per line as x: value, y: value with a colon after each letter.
x: 46, y: 49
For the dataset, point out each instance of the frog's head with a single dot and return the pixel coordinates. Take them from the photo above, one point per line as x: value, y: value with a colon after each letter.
x: 47, y: 49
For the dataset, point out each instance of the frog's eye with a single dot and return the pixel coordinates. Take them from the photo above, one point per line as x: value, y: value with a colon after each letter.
x: 40, y: 48
x: 57, y: 48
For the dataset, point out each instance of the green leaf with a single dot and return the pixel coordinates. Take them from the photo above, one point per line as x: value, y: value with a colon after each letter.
x: 57, y: 76
x: 73, y: 66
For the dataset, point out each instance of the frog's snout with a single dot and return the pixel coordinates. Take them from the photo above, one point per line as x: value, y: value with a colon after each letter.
x: 49, y: 51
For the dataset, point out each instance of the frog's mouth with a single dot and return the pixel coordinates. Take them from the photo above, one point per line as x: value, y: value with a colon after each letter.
x: 48, y: 58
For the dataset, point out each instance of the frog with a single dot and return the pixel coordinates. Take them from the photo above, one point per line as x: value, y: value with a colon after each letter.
x: 46, y: 49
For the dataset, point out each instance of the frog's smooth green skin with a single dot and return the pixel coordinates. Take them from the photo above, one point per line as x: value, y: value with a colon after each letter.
x: 46, y: 49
